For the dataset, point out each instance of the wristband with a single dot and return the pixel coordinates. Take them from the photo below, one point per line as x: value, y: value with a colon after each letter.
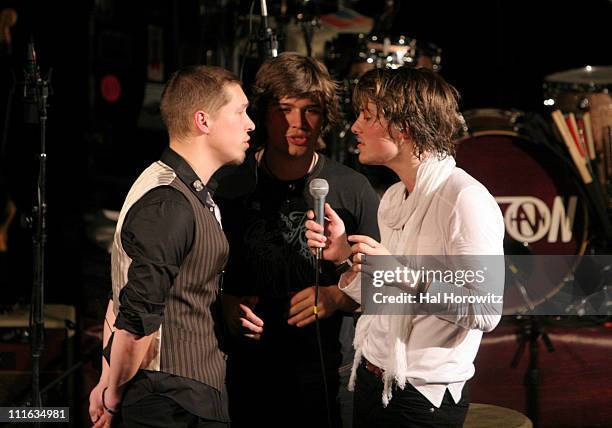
x: 423, y: 286
x: 108, y: 409
x: 344, y: 266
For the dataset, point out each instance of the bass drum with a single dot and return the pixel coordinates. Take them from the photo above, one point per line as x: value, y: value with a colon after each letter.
x: 544, y: 209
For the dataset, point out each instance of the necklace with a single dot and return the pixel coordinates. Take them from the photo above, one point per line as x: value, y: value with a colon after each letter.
x: 263, y: 161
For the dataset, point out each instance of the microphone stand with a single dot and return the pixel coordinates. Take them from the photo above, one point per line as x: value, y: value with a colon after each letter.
x: 309, y: 21
x: 268, y: 41
x: 36, y: 90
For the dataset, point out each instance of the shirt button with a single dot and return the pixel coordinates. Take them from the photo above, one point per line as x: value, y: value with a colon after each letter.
x: 198, y: 186
x: 431, y: 410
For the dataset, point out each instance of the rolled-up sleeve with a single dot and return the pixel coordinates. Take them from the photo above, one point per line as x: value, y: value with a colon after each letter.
x: 157, y: 235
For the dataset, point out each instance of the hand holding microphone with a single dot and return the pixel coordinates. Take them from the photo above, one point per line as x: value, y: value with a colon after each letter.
x: 330, y: 241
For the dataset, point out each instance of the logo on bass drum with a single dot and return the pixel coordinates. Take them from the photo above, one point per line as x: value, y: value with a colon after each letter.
x: 529, y: 219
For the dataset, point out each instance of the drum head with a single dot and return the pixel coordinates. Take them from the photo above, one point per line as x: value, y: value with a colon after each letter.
x: 542, y: 205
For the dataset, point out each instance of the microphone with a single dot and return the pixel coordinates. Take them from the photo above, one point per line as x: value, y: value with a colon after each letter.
x: 30, y: 86
x: 267, y: 38
x: 32, y: 71
x: 264, y: 14
x: 318, y: 190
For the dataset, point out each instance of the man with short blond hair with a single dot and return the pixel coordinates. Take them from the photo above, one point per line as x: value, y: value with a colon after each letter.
x: 165, y: 366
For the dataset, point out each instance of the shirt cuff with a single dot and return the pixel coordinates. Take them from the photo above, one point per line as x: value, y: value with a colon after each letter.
x: 138, y: 323
x: 352, y: 289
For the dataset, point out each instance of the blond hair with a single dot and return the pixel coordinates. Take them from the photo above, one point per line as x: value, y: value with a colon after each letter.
x: 191, y: 89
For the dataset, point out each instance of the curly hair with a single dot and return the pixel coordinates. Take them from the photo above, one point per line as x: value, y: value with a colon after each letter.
x: 413, y: 100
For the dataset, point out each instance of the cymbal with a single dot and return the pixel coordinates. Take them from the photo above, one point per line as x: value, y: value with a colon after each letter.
x: 589, y: 75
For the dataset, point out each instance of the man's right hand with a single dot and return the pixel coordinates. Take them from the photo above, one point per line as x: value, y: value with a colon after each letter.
x: 332, y: 239
x: 240, y: 318
x: 96, y: 409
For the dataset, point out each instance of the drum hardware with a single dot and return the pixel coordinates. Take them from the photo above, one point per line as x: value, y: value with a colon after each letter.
x: 308, y: 19
x: 530, y: 331
x: 595, y: 307
x: 384, y: 51
x: 517, y: 271
x: 593, y: 304
x: 463, y: 131
x: 599, y: 302
x: 351, y: 55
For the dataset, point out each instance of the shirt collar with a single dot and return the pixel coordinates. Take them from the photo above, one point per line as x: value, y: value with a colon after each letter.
x: 187, y: 175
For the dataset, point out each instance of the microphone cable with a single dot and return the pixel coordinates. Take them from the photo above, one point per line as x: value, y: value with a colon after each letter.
x: 318, y: 330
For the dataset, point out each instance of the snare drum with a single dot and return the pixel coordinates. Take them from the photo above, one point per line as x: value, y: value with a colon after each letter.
x: 543, y: 206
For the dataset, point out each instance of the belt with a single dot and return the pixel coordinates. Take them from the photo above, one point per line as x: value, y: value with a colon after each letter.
x: 374, y: 369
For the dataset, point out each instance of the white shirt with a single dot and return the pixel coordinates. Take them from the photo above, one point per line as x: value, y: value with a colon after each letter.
x: 463, y: 218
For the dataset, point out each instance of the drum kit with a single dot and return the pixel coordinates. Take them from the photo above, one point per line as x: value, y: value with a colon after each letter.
x: 550, y: 206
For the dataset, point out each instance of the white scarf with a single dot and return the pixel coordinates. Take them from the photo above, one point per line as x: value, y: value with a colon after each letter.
x: 400, y: 220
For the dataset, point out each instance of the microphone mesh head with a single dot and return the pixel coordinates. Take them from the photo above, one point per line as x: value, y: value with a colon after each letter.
x: 318, y: 188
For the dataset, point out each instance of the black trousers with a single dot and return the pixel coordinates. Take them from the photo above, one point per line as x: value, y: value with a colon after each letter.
x: 407, y: 408
x: 286, y: 397
x: 163, y: 412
